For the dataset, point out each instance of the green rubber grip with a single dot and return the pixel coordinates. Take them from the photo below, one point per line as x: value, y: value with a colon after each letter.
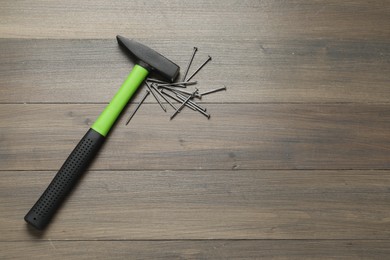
x: 109, y: 115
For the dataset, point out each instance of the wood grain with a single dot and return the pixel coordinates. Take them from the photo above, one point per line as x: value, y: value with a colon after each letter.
x: 205, y: 205
x: 199, y: 20
x: 239, y: 136
x: 254, y: 70
x: 213, y: 249
x: 293, y: 164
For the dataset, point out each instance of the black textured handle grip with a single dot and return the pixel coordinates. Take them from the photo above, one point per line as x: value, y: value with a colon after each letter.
x: 43, y: 210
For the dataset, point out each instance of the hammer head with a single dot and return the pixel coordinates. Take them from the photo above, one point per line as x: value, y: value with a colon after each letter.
x: 150, y: 59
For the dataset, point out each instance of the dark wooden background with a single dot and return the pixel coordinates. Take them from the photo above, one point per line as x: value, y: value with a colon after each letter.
x: 294, y: 162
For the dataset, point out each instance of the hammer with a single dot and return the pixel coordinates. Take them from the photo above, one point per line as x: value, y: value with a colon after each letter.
x: 80, y: 158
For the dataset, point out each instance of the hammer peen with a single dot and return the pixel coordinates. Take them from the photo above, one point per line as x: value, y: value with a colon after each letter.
x: 80, y: 158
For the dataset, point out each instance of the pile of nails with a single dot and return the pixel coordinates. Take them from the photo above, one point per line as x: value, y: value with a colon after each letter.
x: 176, y: 92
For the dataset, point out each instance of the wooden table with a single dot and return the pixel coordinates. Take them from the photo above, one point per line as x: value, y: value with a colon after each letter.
x: 293, y: 163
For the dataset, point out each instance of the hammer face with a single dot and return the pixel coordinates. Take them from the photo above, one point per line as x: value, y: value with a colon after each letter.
x: 154, y: 60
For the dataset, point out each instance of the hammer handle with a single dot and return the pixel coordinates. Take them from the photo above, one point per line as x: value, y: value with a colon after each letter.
x: 43, y: 210
x: 66, y: 178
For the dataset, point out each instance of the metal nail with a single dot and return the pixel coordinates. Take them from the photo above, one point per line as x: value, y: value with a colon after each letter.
x: 204, y: 113
x: 177, y: 99
x: 196, y: 107
x: 139, y: 104
x: 154, y: 95
x: 161, y: 94
x: 180, y: 91
x: 200, y: 67
x: 189, y: 63
x: 155, y: 81
x: 178, y: 84
x: 183, y: 104
x: 191, y: 102
x: 213, y: 91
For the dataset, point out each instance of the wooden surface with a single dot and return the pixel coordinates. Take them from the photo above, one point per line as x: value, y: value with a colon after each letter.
x: 294, y: 162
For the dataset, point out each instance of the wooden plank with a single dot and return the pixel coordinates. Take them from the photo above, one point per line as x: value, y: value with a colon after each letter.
x: 238, y: 136
x: 206, y: 249
x: 254, y: 70
x: 205, y: 205
x: 195, y: 19
x: 293, y: 164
